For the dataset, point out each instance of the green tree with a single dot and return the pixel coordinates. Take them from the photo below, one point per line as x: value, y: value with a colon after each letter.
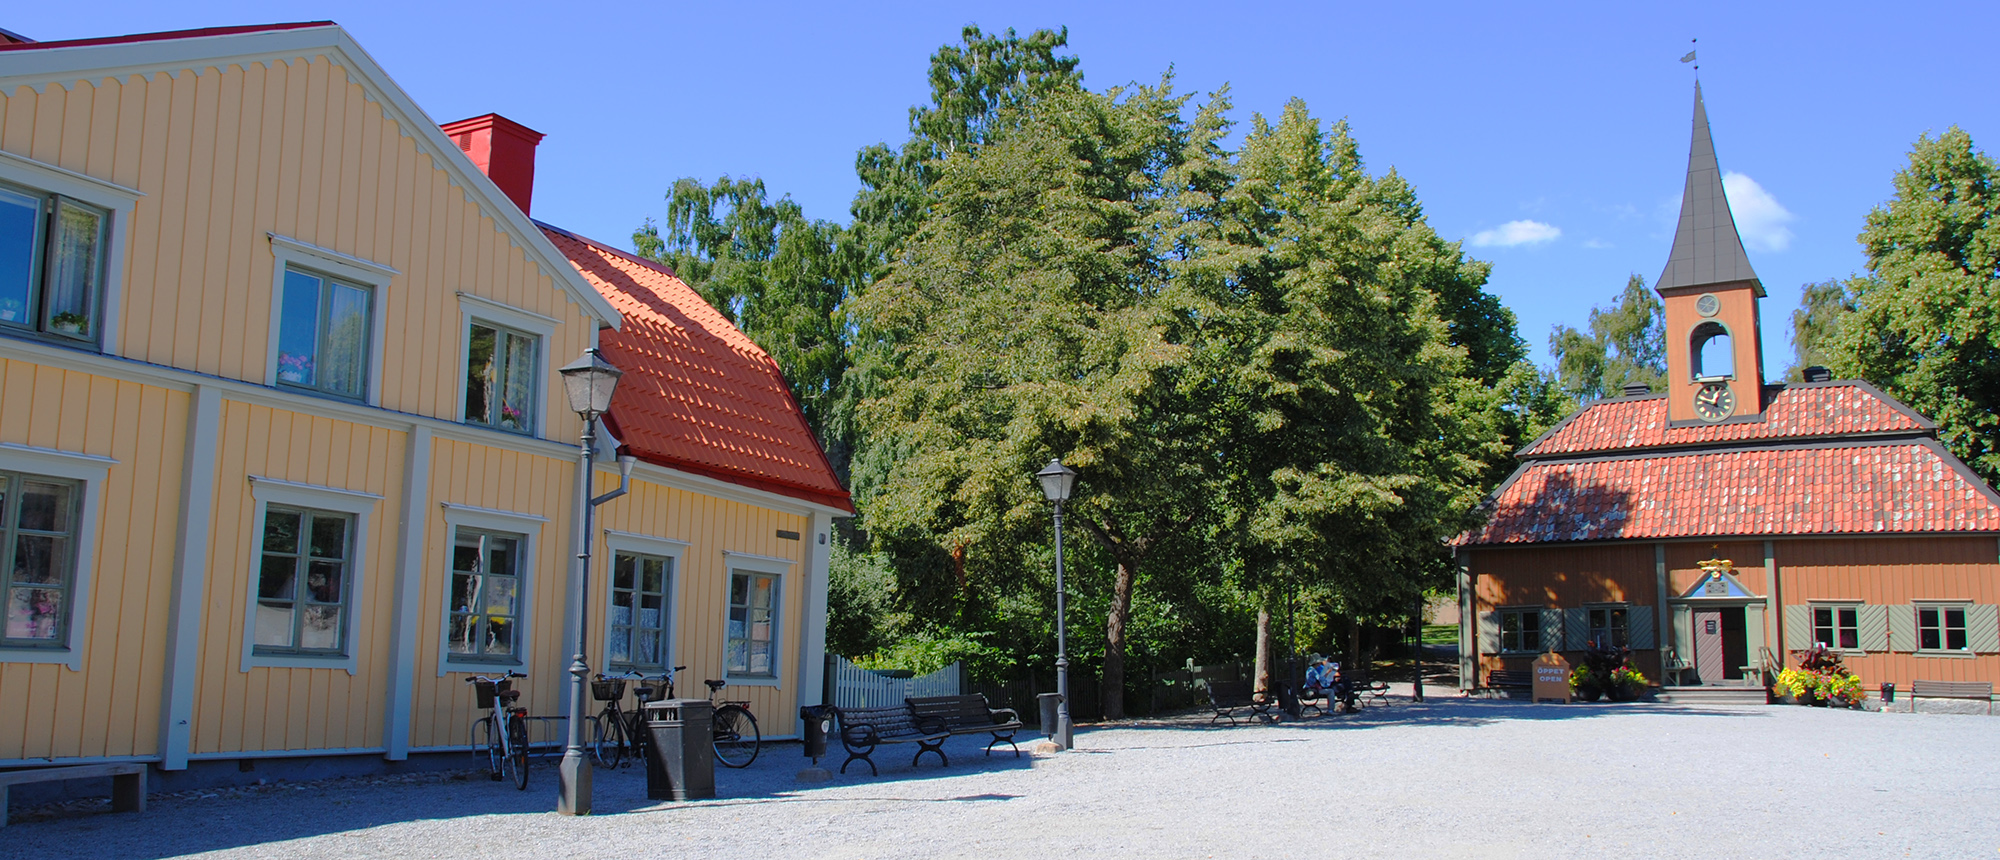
x: 1362, y: 428
x: 1025, y: 320
x: 1627, y: 345
x: 1816, y: 324
x: 1924, y: 316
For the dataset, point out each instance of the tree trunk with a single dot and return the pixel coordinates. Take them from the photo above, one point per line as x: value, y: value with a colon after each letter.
x: 1112, y: 689
x: 1262, y: 675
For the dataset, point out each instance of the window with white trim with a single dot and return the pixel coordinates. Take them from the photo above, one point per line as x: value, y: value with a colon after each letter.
x: 752, y: 646
x: 304, y: 582
x: 1608, y: 625
x: 1521, y: 629
x: 1837, y: 627
x: 485, y: 596
x: 640, y: 611
x: 325, y: 326
x: 52, y: 264
x: 1941, y: 627
x: 502, y: 366
x: 38, y: 537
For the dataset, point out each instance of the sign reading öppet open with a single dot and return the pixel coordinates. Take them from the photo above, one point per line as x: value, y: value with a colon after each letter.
x: 1551, y: 678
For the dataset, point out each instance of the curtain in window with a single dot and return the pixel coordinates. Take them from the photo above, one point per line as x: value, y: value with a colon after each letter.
x: 73, y: 269
x: 38, y: 576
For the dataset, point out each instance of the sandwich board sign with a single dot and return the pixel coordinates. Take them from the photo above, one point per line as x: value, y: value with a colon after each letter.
x: 1551, y: 679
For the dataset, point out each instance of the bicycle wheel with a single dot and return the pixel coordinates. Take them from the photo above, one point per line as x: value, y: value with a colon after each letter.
x: 736, y: 737
x: 517, y: 751
x: 607, y: 739
x: 487, y: 744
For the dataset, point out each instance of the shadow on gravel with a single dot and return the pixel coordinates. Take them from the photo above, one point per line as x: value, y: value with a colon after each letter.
x: 1447, y: 712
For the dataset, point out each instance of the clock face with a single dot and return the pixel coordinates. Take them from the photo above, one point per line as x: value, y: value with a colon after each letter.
x: 1708, y: 305
x: 1714, y: 402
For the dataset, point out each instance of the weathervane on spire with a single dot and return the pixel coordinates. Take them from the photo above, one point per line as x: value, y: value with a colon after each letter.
x: 1690, y: 58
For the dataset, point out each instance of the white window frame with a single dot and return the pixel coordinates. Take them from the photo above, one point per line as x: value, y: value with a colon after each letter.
x: 1917, y: 608
x: 778, y: 569
x: 116, y: 199
x: 617, y: 542
x: 92, y: 471
x: 289, y: 253
x: 1812, y: 623
x: 358, y: 504
x: 1541, y: 635
x: 473, y: 309
x: 526, y: 527
x: 1589, y: 631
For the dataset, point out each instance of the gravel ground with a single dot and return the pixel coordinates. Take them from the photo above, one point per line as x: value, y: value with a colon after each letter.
x: 1451, y: 778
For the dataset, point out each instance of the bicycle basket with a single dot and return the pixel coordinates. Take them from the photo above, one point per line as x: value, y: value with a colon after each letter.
x: 607, y: 689
x: 484, y: 692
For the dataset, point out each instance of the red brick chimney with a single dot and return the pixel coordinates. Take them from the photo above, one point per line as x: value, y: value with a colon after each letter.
x: 503, y: 149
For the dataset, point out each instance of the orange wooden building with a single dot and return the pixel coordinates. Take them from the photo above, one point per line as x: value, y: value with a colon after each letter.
x: 1826, y: 511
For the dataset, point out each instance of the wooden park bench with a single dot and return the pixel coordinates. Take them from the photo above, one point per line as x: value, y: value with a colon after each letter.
x: 1503, y: 679
x: 1975, y: 690
x: 128, y: 783
x: 1229, y: 697
x: 864, y: 729
x: 969, y: 714
x: 1364, y: 686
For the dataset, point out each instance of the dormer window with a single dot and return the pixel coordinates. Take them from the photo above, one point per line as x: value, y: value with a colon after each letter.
x: 1710, y: 353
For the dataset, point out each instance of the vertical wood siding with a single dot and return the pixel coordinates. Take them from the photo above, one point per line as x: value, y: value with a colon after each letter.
x: 1684, y: 565
x: 294, y: 708
x: 111, y: 708
x: 227, y: 156
x: 1892, y: 572
x: 1563, y: 577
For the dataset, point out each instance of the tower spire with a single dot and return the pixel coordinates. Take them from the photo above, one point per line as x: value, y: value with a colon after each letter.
x: 1707, y: 248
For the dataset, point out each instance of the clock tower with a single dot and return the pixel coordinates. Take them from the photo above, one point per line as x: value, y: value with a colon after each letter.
x: 1715, y: 351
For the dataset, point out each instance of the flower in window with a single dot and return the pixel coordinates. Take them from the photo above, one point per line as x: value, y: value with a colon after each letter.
x: 295, y: 368
x: 511, y: 416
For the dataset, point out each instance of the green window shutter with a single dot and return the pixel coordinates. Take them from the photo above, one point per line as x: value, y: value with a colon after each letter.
x: 1576, y: 628
x: 1902, y: 627
x: 1489, y: 632
x: 1639, y: 627
x: 1552, y: 629
x: 1798, y: 628
x: 1874, y: 622
x: 1982, y: 628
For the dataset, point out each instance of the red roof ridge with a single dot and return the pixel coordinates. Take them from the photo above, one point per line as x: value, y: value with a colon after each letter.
x: 1848, y: 408
x: 167, y: 35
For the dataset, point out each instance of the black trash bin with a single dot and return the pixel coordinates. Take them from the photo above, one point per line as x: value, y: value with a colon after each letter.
x: 681, y: 760
x: 816, y: 723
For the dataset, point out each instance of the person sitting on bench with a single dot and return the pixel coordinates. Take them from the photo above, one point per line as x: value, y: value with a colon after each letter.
x: 1326, y: 679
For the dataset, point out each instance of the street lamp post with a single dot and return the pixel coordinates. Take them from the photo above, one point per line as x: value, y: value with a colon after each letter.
x: 1057, y: 482
x: 589, y: 382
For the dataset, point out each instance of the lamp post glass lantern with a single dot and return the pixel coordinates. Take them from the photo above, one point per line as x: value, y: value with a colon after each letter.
x: 1057, y: 482
x: 589, y: 382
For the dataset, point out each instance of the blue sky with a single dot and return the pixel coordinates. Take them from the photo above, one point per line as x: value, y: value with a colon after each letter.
x: 1553, y: 138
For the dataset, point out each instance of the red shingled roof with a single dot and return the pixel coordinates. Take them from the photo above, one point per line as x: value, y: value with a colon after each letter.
x: 161, y: 37
x: 698, y: 395
x: 1801, y: 411
x: 1903, y: 487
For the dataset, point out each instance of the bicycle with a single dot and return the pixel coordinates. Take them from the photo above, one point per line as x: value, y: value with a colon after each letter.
x: 737, y: 740
x: 506, y: 727
x: 615, y: 732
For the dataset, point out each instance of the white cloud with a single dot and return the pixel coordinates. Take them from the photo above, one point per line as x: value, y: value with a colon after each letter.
x: 1760, y: 219
x: 1515, y: 233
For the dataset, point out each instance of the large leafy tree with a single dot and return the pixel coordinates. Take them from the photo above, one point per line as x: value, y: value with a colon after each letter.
x: 1363, y: 363
x: 1025, y: 319
x: 1925, y: 318
x: 1626, y: 345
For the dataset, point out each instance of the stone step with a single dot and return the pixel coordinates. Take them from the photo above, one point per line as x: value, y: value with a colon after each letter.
x: 1712, y: 695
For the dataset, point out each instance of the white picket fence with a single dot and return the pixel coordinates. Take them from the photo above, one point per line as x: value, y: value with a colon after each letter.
x: 855, y: 687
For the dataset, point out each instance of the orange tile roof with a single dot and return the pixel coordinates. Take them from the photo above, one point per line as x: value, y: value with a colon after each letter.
x: 698, y: 395
x: 1799, y: 411
x: 1903, y: 487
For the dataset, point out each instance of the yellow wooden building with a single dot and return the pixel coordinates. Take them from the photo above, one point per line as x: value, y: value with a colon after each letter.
x: 284, y: 457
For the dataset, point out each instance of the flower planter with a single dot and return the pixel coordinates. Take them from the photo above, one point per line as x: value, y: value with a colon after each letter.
x: 1589, y: 694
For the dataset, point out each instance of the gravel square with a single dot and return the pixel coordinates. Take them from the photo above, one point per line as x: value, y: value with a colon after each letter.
x: 1448, y: 778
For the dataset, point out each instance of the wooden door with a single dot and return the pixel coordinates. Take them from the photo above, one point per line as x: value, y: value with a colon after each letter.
x: 1709, y: 664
